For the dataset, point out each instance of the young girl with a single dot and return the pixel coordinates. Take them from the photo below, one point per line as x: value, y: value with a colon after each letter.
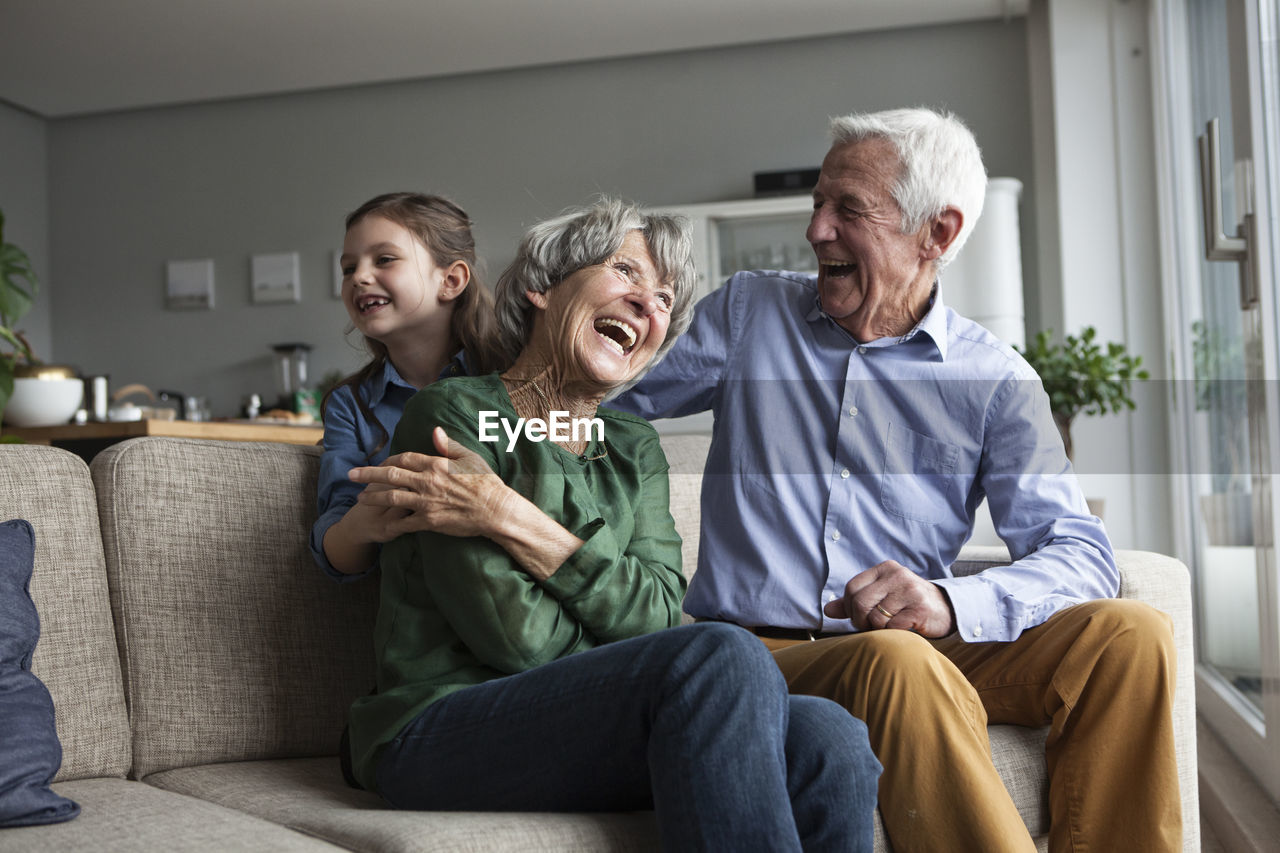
x: 409, y: 286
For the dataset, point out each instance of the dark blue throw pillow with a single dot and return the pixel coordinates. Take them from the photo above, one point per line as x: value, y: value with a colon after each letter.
x: 30, y: 754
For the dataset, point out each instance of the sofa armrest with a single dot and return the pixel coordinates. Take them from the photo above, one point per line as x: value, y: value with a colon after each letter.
x: 1156, y: 579
x: 1159, y: 580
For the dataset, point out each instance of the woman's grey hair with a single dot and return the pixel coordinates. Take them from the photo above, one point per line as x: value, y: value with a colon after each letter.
x: 941, y: 165
x: 582, y: 237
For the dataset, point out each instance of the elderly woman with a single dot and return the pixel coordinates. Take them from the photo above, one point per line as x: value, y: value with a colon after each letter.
x: 522, y: 661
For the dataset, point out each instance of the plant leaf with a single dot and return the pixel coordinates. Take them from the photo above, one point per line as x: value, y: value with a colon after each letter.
x: 18, y: 283
x: 14, y: 304
x: 20, y: 347
x: 6, y: 383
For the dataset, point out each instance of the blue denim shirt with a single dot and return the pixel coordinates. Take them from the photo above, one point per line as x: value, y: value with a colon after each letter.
x: 829, y: 456
x: 349, y: 441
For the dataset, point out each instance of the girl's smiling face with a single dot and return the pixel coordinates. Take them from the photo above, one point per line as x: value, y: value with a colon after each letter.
x: 391, y: 286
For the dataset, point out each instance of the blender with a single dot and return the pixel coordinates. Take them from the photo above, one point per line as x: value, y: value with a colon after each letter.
x: 291, y: 377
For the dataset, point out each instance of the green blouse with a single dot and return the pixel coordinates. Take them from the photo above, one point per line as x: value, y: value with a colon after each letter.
x: 460, y: 611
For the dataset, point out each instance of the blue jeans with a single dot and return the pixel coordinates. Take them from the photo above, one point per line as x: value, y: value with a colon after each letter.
x: 693, y: 722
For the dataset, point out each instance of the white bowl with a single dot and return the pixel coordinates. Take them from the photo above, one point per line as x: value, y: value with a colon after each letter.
x: 43, y: 402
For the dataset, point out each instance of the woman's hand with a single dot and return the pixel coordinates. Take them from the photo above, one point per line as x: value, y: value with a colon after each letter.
x: 455, y: 493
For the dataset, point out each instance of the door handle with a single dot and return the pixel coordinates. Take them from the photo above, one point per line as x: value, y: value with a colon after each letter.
x: 1218, y: 246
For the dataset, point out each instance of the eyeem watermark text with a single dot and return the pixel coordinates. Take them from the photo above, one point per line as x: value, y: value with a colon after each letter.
x: 559, y: 427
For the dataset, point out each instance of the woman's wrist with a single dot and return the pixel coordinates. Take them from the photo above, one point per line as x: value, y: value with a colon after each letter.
x: 503, y: 508
x: 537, y: 542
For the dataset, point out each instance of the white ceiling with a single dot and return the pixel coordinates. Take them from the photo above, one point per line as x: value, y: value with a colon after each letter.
x: 63, y: 58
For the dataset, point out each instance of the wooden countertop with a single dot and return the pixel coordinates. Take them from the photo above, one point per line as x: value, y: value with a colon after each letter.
x: 217, y: 430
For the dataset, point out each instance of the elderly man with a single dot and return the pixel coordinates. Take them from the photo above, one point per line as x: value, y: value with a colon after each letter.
x: 858, y: 425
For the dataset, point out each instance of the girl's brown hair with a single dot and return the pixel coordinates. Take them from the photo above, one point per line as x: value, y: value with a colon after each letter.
x: 445, y: 230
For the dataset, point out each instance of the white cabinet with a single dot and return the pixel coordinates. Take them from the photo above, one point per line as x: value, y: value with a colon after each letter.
x: 984, y: 282
x: 756, y: 234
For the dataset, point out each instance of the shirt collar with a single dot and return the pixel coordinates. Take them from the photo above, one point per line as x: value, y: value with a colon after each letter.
x: 377, y: 386
x: 459, y: 365
x: 933, y: 324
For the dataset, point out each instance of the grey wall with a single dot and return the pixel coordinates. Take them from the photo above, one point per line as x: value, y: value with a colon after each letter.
x: 224, y: 181
x: 24, y: 198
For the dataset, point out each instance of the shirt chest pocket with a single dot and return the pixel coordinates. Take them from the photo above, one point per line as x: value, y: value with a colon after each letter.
x: 919, y: 475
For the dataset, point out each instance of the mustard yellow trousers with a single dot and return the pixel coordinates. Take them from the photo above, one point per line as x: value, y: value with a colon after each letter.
x: 1099, y: 674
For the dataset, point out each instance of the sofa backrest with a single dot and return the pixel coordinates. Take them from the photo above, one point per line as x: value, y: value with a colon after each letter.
x: 686, y: 456
x: 76, y: 653
x: 234, y: 644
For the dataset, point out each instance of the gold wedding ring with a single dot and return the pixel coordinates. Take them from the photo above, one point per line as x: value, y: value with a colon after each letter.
x: 886, y: 613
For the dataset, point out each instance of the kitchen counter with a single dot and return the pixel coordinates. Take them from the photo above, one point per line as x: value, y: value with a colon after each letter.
x: 86, y: 440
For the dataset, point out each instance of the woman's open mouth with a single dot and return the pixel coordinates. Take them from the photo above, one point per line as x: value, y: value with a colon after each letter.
x: 617, y: 334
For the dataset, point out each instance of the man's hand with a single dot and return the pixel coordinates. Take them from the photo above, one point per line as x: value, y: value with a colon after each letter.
x: 455, y: 493
x: 890, y: 595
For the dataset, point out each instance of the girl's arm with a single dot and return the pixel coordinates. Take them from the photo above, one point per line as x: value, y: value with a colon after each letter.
x: 349, y: 552
x: 351, y: 544
x: 348, y: 533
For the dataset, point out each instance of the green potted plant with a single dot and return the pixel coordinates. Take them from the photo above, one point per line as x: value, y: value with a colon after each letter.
x: 1082, y: 377
x: 31, y: 393
x: 18, y: 288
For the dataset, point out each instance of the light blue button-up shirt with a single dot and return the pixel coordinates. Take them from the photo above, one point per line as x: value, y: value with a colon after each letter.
x: 829, y: 456
x: 350, y: 441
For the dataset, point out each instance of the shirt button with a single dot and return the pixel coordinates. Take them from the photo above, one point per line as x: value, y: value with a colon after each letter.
x: 831, y: 596
x: 853, y: 411
x: 862, y: 350
x: 977, y: 630
x: 844, y: 475
x: 835, y: 536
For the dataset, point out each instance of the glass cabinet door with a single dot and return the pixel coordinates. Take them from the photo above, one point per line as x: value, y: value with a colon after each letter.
x: 764, y: 243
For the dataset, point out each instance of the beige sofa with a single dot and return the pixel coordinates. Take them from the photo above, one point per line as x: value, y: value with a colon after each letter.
x: 201, y: 665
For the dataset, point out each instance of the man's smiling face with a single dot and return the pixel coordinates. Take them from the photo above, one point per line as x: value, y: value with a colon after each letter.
x: 873, y: 279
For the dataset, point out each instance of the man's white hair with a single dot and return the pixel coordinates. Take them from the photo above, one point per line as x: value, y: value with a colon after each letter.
x: 941, y: 165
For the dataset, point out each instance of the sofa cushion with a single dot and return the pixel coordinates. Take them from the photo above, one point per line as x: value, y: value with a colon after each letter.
x: 309, y: 795
x: 29, y: 750
x: 76, y: 657
x: 1018, y: 755
x: 123, y: 815
x: 234, y: 644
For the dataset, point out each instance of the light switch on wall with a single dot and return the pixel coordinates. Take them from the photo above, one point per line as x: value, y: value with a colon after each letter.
x: 276, y: 278
x: 188, y: 285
